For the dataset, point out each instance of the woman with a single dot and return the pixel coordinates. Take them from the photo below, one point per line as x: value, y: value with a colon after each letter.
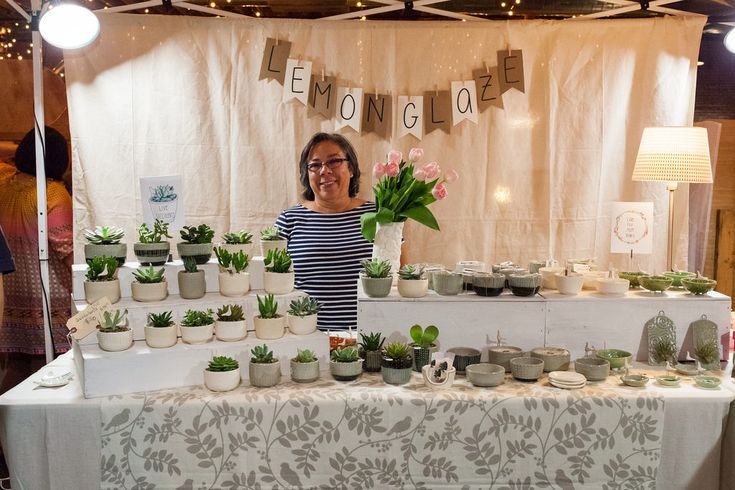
x: 323, y: 233
x: 22, y: 329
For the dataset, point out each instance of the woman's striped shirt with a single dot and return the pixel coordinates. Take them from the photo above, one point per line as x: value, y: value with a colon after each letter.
x: 326, y: 250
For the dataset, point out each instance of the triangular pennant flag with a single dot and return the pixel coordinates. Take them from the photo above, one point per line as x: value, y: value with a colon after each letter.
x: 273, y: 66
x: 410, y: 115
x: 487, y: 85
x: 510, y: 70
x: 437, y: 111
x: 296, y: 83
x: 322, y: 96
x: 464, y: 102
x: 349, y: 108
x: 378, y: 115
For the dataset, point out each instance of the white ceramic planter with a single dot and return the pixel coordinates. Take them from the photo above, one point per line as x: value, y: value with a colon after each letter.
x: 115, y: 341
x: 197, y: 335
x: 233, y: 285
x: 233, y: 248
x: 569, y: 284
x: 266, y: 245
x: 264, y: 375
x: 148, y: 292
x: 161, y: 337
x: 447, y: 383
x: 230, y: 331
x: 95, y: 290
x: 269, y: 328
x: 413, y: 288
x: 192, y: 285
x: 304, y: 372
x: 613, y: 286
x: 301, y: 325
x: 278, y: 282
x: 222, y: 380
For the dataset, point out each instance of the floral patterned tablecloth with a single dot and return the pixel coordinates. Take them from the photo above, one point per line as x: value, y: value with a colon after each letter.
x: 366, y: 434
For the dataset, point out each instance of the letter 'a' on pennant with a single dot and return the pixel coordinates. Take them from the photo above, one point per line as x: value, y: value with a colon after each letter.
x: 437, y: 111
x: 464, y: 102
x: 487, y: 86
x: 377, y: 115
x: 296, y: 83
x: 510, y: 70
x: 410, y: 115
x: 275, y: 56
x: 322, y: 96
x: 349, y: 108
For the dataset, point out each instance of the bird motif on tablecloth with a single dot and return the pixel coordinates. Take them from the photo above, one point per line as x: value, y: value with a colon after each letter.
x: 119, y: 419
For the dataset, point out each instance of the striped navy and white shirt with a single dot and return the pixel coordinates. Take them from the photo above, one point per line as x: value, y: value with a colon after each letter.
x: 326, y: 250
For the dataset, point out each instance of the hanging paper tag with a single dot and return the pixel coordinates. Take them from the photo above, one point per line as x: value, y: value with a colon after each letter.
x: 410, y: 115
x: 85, y: 322
x: 296, y: 84
x: 349, y: 108
x: 464, y: 102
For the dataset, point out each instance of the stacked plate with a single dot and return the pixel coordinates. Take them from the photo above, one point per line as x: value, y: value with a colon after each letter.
x: 567, y: 380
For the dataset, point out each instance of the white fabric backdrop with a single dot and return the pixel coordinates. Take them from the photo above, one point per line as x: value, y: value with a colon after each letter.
x: 160, y: 95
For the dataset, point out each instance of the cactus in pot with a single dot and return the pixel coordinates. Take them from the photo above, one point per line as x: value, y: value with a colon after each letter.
x: 192, y: 283
x: 278, y: 277
x: 233, y: 278
x: 269, y: 324
x: 237, y: 241
x: 149, y: 285
x: 423, y: 344
x: 270, y: 239
x: 302, y: 315
x: 230, y: 323
x: 197, y: 326
x: 113, y: 333
x: 412, y: 282
x: 222, y: 374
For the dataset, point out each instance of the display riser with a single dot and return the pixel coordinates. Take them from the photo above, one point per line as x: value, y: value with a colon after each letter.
x: 256, y: 268
x: 142, y: 368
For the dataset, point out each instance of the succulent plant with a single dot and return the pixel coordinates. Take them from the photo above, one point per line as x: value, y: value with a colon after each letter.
x: 101, y: 269
x: 304, y: 356
x: 104, y: 235
x: 424, y: 338
x: 376, y: 268
x: 345, y: 354
x: 222, y: 364
x: 372, y: 341
x: 303, y: 306
x: 197, y: 234
x: 190, y: 263
x: 707, y: 352
x: 270, y: 234
x: 113, y: 321
x: 411, y: 272
x: 663, y: 350
x: 149, y: 275
x: 277, y: 260
x: 397, y: 350
x: 197, y: 318
x: 232, y: 262
x: 261, y: 354
x: 268, y: 306
x: 230, y: 313
x: 160, y: 230
x: 241, y: 237
x: 160, y: 320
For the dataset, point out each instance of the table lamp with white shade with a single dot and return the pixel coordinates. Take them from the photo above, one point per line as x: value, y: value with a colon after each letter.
x: 673, y: 154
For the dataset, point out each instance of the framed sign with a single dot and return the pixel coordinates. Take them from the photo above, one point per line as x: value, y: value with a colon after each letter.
x: 162, y: 198
x: 632, y: 228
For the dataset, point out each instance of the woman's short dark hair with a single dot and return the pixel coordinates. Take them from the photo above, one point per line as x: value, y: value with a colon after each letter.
x: 57, y: 154
x: 349, y: 152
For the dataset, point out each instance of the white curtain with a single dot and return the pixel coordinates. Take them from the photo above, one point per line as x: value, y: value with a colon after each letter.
x: 161, y: 95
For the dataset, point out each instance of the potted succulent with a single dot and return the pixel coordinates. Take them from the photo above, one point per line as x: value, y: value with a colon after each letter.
x: 269, y: 324
x: 114, y: 335
x: 161, y: 330
x: 264, y: 369
x: 230, y: 323
x: 304, y: 367
x: 302, y: 314
x: 222, y: 374
x: 149, y: 284
x: 237, y: 241
x: 197, y: 326
x: 396, y: 363
x: 376, y: 278
x: 345, y: 363
x: 439, y: 374
x: 197, y: 243
x: 271, y: 240
x: 233, y: 280
x: 101, y: 280
x: 192, y: 283
x: 370, y: 346
x: 104, y: 241
x: 278, y: 277
x: 412, y: 282
x: 151, y: 249
x: 423, y: 344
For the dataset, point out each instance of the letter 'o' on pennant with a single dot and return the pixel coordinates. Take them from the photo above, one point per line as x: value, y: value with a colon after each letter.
x: 349, y: 108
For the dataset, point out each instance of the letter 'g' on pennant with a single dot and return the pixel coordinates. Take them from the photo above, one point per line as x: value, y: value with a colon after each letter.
x: 296, y: 83
x: 322, y: 96
x: 349, y: 108
x: 410, y: 115
x: 464, y: 102
x: 437, y: 111
x: 377, y: 115
x: 273, y: 66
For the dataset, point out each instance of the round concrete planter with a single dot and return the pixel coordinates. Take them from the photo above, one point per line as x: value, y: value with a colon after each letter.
x: 278, y: 282
x: 264, y: 375
x: 345, y: 371
x: 413, y: 288
x: 447, y: 283
x: 304, y: 372
x: 117, y: 250
x: 201, y: 252
x: 95, y: 290
x: 197, y: 335
x: 269, y: 328
x: 222, y: 380
x: 192, y: 285
x: 161, y: 337
x: 376, y: 287
x: 148, y: 292
x: 152, y: 253
x: 230, y: 331
x: 266, y: 245
x: 115, y: 341
x: 232, y: 285
x: 301, y: 325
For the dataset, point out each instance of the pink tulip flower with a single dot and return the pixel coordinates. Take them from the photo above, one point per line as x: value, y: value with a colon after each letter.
x: 432, y: 170
x: 415, y: 154
x: 439, y: 192
x: 391, y: 169
x: 378, y: 170
x: 419, y: 174
x: 451, y: 175
x: 395, y: 156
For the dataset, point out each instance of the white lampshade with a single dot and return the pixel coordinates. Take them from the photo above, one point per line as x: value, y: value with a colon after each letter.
x: 730, y: 40
x: 673, y: 154
x: 69, y: 26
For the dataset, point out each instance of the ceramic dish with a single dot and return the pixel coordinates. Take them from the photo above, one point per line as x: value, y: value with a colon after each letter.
x: 655, y: 284
x: 593, y: 368
x: 555, y: 358
x: 616, y: 357
x: 464, y: 356
x: 591, y: 277
x: 632, y: 277
x: 501, y: 355
x: 635, y: 380
x: 612, y: 286
x: 677, y: 276
x: 668, y: 380
x: 50, y: 380
x: 687, y: 369
x: 708, y: 382
x: 488, y: 284
x: 485, y: 375
x: 524, y: 284
x: 699, y: 285
x: 526, y: 368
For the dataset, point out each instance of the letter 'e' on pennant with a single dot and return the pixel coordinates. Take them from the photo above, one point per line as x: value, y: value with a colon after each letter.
x: 273, y: 66
x: 296, y: 84
x: 510, y: 70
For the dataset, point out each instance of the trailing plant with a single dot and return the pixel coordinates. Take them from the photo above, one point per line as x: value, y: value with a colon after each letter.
x: 707, y: 353
x: 424, y: 338
x: 268, y: 307
x: 345, y: 354
x: 663, y: 350
x: 160, y: 230
x: 241, y: 237
x: 410, y: 272
x: 277, y: 260
x: 149, y: 275
x: 163, y: 193
x: 113, y: 321
x: 222, y: 363
x: 303, y: 306
x: 372, y: 341
x: 197, y: 318
x: 190, y: 263
x: 261, y: 354
x: 397, y: 350
x: 101, y: 269
x: 234, y: 263
x: 230, y: 313
x: 375, y: 268
x: 104, y: 235
x: 197, y: 234
x: 270, y: 234
x: 160, y: 320
x: 304, y: 356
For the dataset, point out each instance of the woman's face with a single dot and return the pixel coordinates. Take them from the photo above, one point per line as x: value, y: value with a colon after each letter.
x: 329, y: 172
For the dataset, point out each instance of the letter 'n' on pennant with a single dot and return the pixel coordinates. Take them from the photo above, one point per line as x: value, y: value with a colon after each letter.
x: 349, y: 108
x: 437, y: 111
x: 322, y: 96
x: 510, y: 70
x: 377, y: 115
x: 275, y: 56
x: 410, y: 115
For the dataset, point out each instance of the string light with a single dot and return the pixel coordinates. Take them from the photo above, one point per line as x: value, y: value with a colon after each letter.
x: 257, y: 14
x: 359, y: 4
x: 212, y: 4
x: 146, y: 11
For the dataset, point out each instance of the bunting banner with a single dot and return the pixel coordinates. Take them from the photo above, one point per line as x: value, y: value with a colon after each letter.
x: 410, y: 115
x: 296, y: 84
x: 349, y: 108
x: 464, y: 102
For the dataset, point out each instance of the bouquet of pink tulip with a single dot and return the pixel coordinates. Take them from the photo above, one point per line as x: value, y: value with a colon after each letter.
x: 404, y: 191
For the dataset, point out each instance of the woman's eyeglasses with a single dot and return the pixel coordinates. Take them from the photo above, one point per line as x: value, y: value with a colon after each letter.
x: 332, y: 164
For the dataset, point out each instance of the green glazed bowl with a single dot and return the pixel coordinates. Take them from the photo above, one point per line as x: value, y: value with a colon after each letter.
x: 677, y: 276
x: 699, y: 285
x: 635, y: 380
x: 632, y: 277
x: 655, y: 284
x: 615, y: 357
x: 668, y: 380
x: 709, y: 382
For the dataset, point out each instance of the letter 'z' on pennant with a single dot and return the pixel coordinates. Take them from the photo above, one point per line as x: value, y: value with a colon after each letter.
x: 377, y: 115
x: 464, y: 102
x: 322, y: 96
x: 487, y: 86
x: 437, y: 111
x: 510, y: 70
x: 410, y: 115
x: 349, y: 108
x: 296, y: 84
x: 273, y: 66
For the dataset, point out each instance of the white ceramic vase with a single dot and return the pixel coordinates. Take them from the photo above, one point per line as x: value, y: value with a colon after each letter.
x: 266, y: 245
x: 161, y: 337
x: 232, y: 285
x: 149, y: 292
x: 222, y: 380
x: 96, y: 290
x: 269, y: 328
x: 301, y: 325
x: 413, y: 288
x: 230, y: 331
x: 387, y: 245
x: 278, y: 282
x: 115, y: 341
x: 197, y: 335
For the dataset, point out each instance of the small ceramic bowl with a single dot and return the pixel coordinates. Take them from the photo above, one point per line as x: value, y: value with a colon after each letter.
x: 591, y: 277
x: 569, y: 284
x: 635, y: 380
x: 527, y: 368
x: 668, y: 380
x: 612, y: 286
x: 447, y: 283
x: 501, y: 355
x: 709, y: 382
x: 549, y: 276
x: 488, y: 284
x: 555, y: 358
x: 593, y: 368
x: 677, y: 276
x: 699, y: 285
x: 485, y: 374
x: 615, y: 357
x: 686, y: 369
x: 524, y: 284
x: 464, y: 356
x: 655, y: 284
x: 632, y: 277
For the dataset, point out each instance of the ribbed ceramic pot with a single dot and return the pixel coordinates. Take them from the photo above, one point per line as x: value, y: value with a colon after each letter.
x: 264, y: 375
x: 152, y: 253
x: 222, y: 380
x: 593, y: 368
x: 149, y: 292
x: 278, y: 282
x: 555, y: 358
x: 447, y: 283
x: 421, y: 356
x: 201, y: 252
x: 161, y: 337
x: 96, y: 290
x: 345, y: 371
x: 230, y: 331
x: 266, y: 245
x: 197, y: 335
x: 501, y: 355
x: 301, y: 325
x: 117, y: 250
x: 376, y: 287
x: 525, y: 284
x: 304, y: 372
x: 463, y: 357
x: 269, y: 328
x: 192, y: 285
x: 115, y: 341
x: 233, y: 285
x: 372, y: 360
x: 413, y: 288
x: 526, y: 368
x: 488, y: 284
x: 394, y: 376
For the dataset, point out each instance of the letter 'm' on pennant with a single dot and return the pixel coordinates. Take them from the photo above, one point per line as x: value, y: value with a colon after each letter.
x: 273, y: 66
x: 510, y: 70
x: 464, y: 102
x: 322, y: 96
x: 487, y: 86
x: 377, y: 115
x: 296, y: 83
x: 437, y: 111
x: 410, y: 115
x: 349, y: 108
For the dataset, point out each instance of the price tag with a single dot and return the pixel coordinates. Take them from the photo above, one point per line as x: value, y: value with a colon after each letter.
x: 85, y: 322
